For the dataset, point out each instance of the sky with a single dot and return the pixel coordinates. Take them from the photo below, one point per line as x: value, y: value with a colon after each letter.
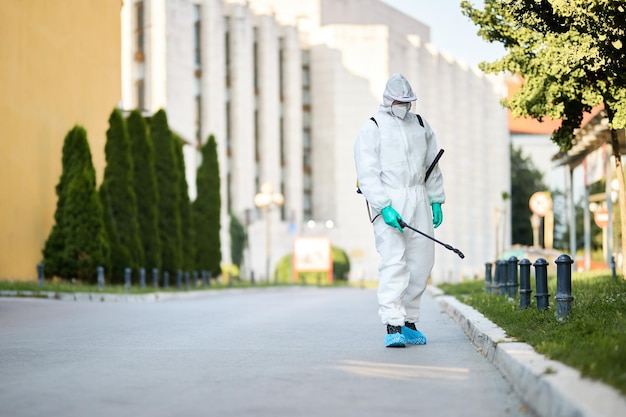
x: 450, y: 30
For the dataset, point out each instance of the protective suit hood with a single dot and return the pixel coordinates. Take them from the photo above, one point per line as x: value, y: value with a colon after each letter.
x: 397, y: 88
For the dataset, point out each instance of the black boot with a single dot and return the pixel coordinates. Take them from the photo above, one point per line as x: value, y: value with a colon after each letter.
x: 394, y: 337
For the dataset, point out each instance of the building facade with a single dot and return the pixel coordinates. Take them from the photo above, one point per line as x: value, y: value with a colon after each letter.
x: 59, y: 66
x: 285, y: 86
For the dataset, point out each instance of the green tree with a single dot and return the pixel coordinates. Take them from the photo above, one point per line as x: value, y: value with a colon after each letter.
x: 145, y: 187
x: 206, y: 211
x: 77, y: 244
x: 119, y: 202
x: 526, y: 179
x: 186, y: 221
x: 167, y: 182
x: 571, y: 55
x: 238, y: 238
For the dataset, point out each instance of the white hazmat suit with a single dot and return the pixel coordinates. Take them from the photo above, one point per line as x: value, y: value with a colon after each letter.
x: 391, y: 157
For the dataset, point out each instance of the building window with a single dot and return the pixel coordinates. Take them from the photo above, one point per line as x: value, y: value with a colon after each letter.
x: 307, y: 209
x: 197, y: 32
x: 139, y: 31
x: 141, y: 94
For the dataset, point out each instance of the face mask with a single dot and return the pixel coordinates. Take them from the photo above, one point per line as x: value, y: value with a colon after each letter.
x: 400, y: 110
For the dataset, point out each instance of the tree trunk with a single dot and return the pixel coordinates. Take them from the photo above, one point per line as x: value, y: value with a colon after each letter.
x: 622, y: 195
x: 619, y: 171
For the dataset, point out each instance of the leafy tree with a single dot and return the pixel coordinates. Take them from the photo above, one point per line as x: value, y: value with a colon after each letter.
x: 167, y: 182
x: 526, y: 179
x: 206, y: 211
x: 145, y: 187
x: 119, y: 202
x: 186, y: 221
x: 77, y: 244
x: 238, y: 239
x: 571, y: 55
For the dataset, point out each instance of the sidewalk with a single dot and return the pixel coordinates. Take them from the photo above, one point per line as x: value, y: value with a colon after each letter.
x: 549, y: 388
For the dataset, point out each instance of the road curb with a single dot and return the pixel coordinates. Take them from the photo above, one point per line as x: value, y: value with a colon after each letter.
x: 549, y: 388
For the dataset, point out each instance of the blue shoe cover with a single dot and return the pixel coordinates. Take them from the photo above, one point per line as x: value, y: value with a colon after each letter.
x: 395, y: 340
x: 413, y: 337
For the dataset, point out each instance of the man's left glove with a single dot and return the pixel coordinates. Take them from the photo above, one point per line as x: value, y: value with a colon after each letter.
x: 437, y: 214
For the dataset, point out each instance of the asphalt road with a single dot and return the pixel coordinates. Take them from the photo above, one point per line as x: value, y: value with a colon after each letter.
x: 260, y: 352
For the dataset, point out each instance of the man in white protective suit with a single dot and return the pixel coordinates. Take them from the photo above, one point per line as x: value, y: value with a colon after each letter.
x: 392, y: 153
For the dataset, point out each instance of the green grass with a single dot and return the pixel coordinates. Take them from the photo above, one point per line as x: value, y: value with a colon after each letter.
x: 75, y: 287
x: 592, y: 339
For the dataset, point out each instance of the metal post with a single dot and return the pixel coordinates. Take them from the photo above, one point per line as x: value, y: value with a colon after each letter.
x: 524, y: 280
x: 100, y: 270
x: 512, y: 281
x: 563, y: 286
x: 195, y: 279
x: 612, y: 264
x: 209, y: 275
x: 40, y: 274
x: 142, y: 277
x: 155, y: 277
x: 127, y: 272
x: 541, y: 284
x: 166, y: 279
x: 496, y: 277
x: 179, y: 278
x: 488, y: 277
x: 504, y: 272
x: 186, y: 280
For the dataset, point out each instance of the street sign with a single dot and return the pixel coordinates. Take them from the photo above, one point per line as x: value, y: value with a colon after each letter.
x: 540, y: 203
x: 601, y: 217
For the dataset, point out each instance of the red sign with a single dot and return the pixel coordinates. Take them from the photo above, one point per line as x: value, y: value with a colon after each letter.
x: 601, y: 217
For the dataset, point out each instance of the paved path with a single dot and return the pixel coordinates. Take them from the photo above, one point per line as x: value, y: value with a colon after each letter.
x: 260, y: 352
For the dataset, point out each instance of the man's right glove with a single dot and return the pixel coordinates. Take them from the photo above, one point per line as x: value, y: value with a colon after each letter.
x: 391, y: 217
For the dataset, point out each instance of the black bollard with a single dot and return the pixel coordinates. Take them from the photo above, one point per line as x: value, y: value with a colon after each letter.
x: 179, y: 279
x: 488, y: 277
x: 155, y: 277
x: 166, y: 279
x: 496, y: 277
x: 100, y: 270
x: 186, y: 280
x: 127, y: 272
x: 612, y: 265
x: 541, y: 284
x: 142, y: 277
x: 195, y: 279
x: 524, y: 281
x: 504, y: 272
x: 512, y: 281
x: 563, y: 286
x: 209, y: 275
x: 40, y: 274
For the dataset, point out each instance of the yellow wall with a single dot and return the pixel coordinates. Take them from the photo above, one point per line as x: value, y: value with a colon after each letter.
x: 60, y: 65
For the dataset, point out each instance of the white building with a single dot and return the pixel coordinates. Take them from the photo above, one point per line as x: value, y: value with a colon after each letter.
x: 284, y: 87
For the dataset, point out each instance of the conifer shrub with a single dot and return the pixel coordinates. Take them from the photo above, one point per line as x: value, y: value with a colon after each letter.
x: 77, y: 243
x: 168, y: 186
x: 186, y: 221
x: 119, y: 202
x: 145, y: 186
x: 206, y: 211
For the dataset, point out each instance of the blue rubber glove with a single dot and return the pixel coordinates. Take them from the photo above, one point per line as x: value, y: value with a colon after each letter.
x: 437, y: 214
x: 391, y: 217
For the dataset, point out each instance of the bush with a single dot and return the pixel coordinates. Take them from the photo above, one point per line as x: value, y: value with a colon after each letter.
x: 145, y: 186
x: 77, y: 244
x: 119, y: 203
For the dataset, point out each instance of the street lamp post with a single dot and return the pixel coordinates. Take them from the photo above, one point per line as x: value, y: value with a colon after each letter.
x: 265, y: 200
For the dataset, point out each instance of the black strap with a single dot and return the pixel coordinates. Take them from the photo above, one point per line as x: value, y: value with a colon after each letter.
x: 419, y: 118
